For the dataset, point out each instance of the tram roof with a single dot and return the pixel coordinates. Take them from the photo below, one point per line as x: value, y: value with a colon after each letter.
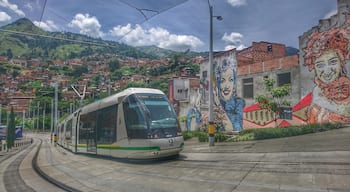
x: 116, y: 98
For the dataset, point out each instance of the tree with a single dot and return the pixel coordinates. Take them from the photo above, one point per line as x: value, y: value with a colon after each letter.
x: 9, y: 53
x: 275, y: 99
x: 113, y: 64
x: 11, y: 130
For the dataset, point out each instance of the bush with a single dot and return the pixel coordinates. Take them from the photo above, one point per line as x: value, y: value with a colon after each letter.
x: 187, y: 135
x: 220, y: 137
x: 203, y: 137
x: 269, y: 133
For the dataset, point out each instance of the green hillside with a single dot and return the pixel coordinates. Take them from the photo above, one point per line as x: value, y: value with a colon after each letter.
x: 23, y: 38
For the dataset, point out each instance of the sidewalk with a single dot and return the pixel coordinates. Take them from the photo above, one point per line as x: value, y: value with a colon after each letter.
x: 334, y: 140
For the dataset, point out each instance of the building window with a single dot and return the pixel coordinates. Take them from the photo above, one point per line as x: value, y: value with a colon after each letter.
x: 181, y: 89
x: 248, y: 89
x: 269, y: 47
x: 283, y: 79
x: 204, y: 74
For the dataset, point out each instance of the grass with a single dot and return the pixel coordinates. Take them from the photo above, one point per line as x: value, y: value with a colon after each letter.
x: 263, y: 133
x: 203, y: 136
x: 269, y: 133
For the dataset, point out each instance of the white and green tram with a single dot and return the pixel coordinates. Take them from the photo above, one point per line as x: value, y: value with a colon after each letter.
x: 135, y: 123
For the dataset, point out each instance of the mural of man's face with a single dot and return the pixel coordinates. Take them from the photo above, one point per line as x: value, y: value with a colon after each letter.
x: 328, y: 67
x: 226, y: 84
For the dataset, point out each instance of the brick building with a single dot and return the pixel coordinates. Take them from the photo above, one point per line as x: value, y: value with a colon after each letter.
x: 250, y: 66
x: 284, y: 69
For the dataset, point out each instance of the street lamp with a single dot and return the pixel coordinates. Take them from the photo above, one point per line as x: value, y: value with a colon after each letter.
x: 211, y: 129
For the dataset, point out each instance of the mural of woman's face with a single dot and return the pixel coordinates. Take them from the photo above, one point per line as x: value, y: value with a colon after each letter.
x: 328, y: 66
x: 226, y: 84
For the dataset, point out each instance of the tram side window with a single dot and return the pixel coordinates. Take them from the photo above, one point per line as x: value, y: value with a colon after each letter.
x: 61, y: 134
x: 107, y: 120
x: 87, y: 125
x: 69, y: 130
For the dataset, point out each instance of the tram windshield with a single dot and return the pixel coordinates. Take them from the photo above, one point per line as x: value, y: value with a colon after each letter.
x: 150, y: 116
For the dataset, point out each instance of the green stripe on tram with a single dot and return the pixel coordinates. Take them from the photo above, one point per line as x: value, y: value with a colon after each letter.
x: 111, y: 147
x: 157, y: 148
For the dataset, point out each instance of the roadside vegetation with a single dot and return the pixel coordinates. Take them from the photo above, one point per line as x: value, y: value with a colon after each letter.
x: 264, y: 133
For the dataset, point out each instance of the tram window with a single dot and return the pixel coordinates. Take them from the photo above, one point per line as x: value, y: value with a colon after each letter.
x: 107, y: 120
x: 88, y: 126
x: 135, y: 122
x: 69, y: 130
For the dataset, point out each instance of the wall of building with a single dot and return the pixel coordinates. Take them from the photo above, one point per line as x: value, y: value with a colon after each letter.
x: 262, y: 51
x: 311, y: 101
x: 227, y: 106
x: 269, y: 69
x: 325, y: 67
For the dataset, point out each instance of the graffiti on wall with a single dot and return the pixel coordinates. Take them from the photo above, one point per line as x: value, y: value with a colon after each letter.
x: 194, y: 112
x: 226, y: 87
x: 327, y: 54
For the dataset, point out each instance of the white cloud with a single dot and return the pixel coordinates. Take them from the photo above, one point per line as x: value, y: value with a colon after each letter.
x: 4, y: 17
x: 240, y: 47
x: 237, y: 3
x: 29, y: 6
x: 87, y: 25
x: 331, y: 13
x: 12, y: 7
x: 235, y: 40
x: 47, y: 26
x: 160, y: 37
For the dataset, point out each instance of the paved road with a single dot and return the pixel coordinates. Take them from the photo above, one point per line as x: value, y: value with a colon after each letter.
x: 310, y: 163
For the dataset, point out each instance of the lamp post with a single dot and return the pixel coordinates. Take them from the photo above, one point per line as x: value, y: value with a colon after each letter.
x: 55, y: 131
x: 211, y: 129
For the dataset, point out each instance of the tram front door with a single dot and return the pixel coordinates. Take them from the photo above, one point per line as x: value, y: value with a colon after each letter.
x: 91, y: 141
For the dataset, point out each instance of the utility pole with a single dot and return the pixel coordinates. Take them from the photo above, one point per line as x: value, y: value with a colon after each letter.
x: 23, y: 116
x: 109, y: 87
x: 51, y: 120
x: 211, y: 129
x: 56, y: 107
x: 0, y: 112
x: 44, y: 110
x: 38, y: 117
x: 33, y: 111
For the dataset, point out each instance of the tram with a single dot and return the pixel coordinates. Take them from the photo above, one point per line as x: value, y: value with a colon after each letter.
x: 134, y: 123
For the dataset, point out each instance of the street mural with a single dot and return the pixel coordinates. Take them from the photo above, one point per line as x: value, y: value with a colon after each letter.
x: 227, y: 107
x: 194, y: 112
x: 226, y: 87
x: 327, y: 54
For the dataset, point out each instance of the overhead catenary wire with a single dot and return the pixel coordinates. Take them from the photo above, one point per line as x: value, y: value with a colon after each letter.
x: 42, y: 12
x: 141, y: 10
x: 57, y: 38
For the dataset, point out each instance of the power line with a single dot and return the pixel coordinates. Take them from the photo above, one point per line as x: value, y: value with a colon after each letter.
x: 57, y: 38
x: 42, y: 12
x: 146, y: 18
x: 141, y: 10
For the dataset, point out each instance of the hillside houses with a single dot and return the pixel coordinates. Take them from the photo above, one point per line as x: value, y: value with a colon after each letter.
x: 37, y: 70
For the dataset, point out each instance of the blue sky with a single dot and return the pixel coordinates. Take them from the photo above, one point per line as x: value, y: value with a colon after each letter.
x: 175, y: 24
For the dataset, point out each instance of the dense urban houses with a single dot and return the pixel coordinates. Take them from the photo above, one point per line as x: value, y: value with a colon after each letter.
x: 318, y: 74
x: 15, y: 93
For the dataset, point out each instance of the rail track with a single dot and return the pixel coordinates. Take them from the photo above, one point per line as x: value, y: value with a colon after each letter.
x: 13, y: 181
